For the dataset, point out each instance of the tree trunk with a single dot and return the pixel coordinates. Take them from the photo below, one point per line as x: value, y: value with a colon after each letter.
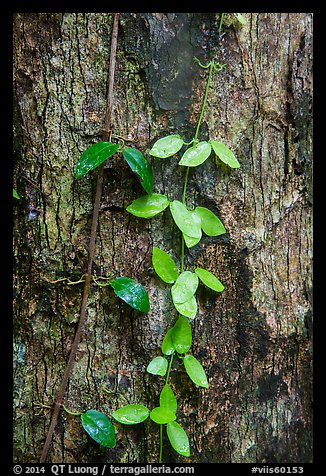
x: 253, y: 339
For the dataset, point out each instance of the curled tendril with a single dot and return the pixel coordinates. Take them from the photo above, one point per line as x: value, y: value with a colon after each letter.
x: 218, y: 66
x: 196, y: 60
x: 212, y: 63
x: 107, y: 279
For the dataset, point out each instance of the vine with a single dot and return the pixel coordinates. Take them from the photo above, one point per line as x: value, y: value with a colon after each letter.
x: 95, y: 423
x: 192, y: 221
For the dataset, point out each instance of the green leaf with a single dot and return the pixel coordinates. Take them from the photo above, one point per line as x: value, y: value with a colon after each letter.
x: 196, y: 155
x: 184, y: 287
x: 178, y: 438
x: 140, y: 166
x: 241, y: 19
x: 148, y: 206
x: 210, y: 223
x: 99, y: 427
x: 167, y: 344
x: 132, y: 293
x: 186, y: 220
x: 166, y: 146
x: 164, y: 265
x: 225, y: 154
x: 94, y: 156
x: 131, y: 414
x: 181, y: 335
x: 167, y: 399
x: 195, y: 371
x: 190, y: 241
x: 188, y: 308
x: 162, y: 415
x: 15, y: 194
x: 158, y: 366
x: 209, y: 279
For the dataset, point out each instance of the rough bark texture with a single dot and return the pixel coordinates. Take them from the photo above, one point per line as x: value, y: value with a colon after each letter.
x: 254, y: 339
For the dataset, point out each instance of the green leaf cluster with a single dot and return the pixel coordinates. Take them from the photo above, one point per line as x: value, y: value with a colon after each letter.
x: 195, y: 155
x: 185, y: 284
x: 98, y: 153
x: 179, y: 339
x: 192, y: 223
x: 164, y: 414
x: 98, y: 426
x: 183, y: 294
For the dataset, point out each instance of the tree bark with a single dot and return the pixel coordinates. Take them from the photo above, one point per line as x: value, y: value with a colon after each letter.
x: 254, y: 339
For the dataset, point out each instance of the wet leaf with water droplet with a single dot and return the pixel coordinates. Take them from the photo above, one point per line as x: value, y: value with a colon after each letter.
x: 178, y: 438
x: 188, y: 222
x: 148, y: 206
x: 131, y: 414
x: 195, y: 371
x: 99, y: 427
x: 162, y: 415
x: 140, y: 166
x: 158, y: 366
x: 181, y: 335
x: 94, y: 156
x: 196, y: 155
x: 166, y: 146
x: 167, y: 399
x: 167, y: 344
x: 188, y: 308
x: 164, y: 265
x: 190, y: 241
x: 184, y: 287
x: 131, y: 292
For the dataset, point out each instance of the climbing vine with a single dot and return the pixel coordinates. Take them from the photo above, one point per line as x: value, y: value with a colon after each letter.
x: 192, y: 221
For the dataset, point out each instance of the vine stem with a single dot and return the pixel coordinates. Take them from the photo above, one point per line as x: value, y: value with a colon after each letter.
x: 169, y: 369
x: 91, y: 248
x: 70, y: 412
x: 211, y: 67
x: 161, y: 444
x: 221, y: 23
x: 195, y: 140
x: 161, y: 426
x: 182, y: 238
